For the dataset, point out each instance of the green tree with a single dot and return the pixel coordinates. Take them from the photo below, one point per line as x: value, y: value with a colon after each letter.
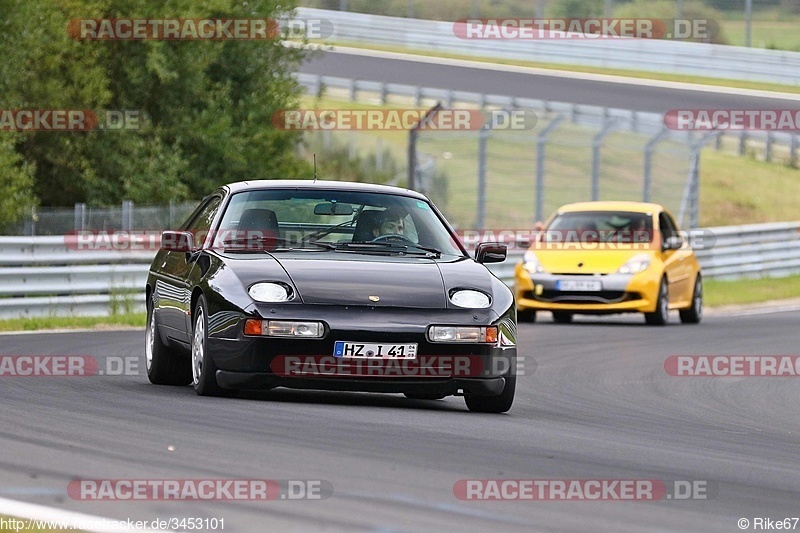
x: 205, y: 106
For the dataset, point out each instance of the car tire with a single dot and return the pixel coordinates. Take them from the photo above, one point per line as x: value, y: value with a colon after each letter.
x: 203, y: 369
x: 422, y: 396
x: 496, y: 404
x: 561, y: 317
x: 660, y: 316
x: 526, y: 315
x: 694, y: 314
x: 163, y: 365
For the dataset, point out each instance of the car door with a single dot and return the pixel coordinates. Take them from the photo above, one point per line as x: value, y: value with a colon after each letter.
x: 677, y: 268
x: 173, y: 288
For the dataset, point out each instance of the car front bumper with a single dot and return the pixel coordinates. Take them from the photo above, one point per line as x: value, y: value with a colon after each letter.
x: 260, y: 362
x: 621, y: 293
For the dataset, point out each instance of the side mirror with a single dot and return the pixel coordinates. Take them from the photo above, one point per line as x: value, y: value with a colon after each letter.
x: 672, y: 243
x: 177, y: 241
x: 491, y: 252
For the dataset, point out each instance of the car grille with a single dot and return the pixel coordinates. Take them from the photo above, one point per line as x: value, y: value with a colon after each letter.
x: 583, y: 297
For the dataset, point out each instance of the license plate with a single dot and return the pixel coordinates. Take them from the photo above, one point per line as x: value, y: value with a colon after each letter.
x: 376, y: 350
x: 579, y: 285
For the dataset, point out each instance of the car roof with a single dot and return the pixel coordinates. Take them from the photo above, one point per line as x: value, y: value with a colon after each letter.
x: 634, y: 207
x: 320, y: 185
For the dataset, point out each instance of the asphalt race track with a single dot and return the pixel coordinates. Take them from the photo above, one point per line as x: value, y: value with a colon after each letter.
x: 428, y: 73
x: 595, y: 403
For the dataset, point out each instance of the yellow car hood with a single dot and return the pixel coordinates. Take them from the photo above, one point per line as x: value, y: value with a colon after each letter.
x: 573, y: 261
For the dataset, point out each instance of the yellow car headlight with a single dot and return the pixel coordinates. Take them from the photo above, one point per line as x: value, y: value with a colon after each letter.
x: 531, y: 263
x: 635, y: 264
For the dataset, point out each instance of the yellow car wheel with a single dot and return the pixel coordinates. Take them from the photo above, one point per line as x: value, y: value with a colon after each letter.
x: 694, y: 314
x: 660, y: 316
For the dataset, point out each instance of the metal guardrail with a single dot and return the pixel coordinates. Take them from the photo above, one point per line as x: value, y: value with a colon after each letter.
x: 673, y: 57
x: 41, y: 276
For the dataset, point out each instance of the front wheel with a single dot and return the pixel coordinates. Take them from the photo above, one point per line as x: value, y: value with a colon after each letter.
x: 204, y: 379
x: 694, y: 314
x: 660, y: 316
x: 496, y: 404
x: 164, y: 366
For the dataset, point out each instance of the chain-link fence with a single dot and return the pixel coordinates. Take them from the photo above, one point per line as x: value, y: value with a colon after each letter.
x: 511, y: 179
x: 126, y: 217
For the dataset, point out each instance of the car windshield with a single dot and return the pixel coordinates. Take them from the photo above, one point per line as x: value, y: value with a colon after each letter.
x: 600, y: 226
x: 290, y: 219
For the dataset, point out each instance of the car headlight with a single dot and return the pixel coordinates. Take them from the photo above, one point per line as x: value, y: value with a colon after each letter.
x: 284, y: 328
x: 531, y: 263
x: 474, y: 334
x: 635, y: 264
x: 471, y: 299
x: 269, y: 292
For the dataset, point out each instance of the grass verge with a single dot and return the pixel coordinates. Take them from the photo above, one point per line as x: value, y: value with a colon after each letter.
x: 748, y: 291
x: 73, y: 322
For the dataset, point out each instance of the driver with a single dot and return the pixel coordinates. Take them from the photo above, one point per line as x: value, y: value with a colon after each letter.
x: 389, y: 222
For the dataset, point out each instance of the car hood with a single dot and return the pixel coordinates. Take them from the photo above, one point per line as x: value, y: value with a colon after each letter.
x: 397, y: 282
x: 350, y: 279
x: 585, y: 261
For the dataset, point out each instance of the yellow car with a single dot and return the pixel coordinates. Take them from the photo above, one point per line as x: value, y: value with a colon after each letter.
x: 606, y: 258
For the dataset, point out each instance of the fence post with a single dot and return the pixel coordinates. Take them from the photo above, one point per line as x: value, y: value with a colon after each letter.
x: 80, y: 216
x: 412, y: 145
x: 596, y: 143
x: 378, y: 153
x: 541, y: 141
x: 30, y: 229
x: 353, y: 90
x: 648, y: 162
x: 691, y: 192
x: 793, y: 149
x: 127, y: 215
x: 768, y: 148
x: 171, y: 222
x: 742, y: 142
x: 384, y: 93
x: 483, y: 139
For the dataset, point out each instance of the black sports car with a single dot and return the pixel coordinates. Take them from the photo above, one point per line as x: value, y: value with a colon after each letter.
x: 329, y: 285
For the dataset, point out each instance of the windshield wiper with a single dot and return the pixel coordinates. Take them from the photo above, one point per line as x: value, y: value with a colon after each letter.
x: 388, y: 247
x: 323, y: 232
x: 242, y: 244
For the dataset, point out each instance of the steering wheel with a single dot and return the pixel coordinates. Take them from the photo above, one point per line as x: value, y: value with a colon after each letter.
x: 393, y: 236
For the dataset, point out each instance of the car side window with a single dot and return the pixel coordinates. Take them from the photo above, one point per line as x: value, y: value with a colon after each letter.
x: 668, y: 227
x: 201, y: 224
